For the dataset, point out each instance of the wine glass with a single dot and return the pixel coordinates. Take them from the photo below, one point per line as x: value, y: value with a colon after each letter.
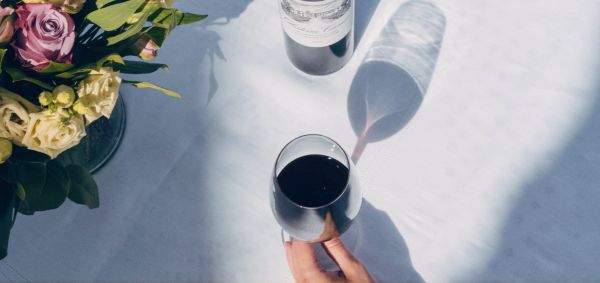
x: 315, y: 194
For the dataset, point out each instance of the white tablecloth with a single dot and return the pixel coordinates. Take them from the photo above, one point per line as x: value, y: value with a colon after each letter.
x: 495, y: 178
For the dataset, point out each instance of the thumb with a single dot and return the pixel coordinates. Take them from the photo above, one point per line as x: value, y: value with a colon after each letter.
x: 342, y: 256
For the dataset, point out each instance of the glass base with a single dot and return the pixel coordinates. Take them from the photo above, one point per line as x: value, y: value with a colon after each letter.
x: 102, y: 139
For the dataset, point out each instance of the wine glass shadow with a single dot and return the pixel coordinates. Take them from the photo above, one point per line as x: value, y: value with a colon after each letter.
x: 363, y: 13
x: 393, y: 79
x: 381, y: 247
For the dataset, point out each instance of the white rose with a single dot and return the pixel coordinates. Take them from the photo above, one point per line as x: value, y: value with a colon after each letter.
x: 14, y: 115
x: 52, y: 133
x: 99, y: 92
x: 69, y: 6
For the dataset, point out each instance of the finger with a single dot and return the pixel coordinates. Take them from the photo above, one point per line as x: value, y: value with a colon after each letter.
x: 341, y: 255
x: 336, y: 276
x: 305, y: 260
x: 288, y: 253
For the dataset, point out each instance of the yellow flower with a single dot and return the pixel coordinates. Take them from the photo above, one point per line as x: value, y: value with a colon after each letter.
x: 14, y: 115
x: 52, y: 133
x: 80, y: 107
x: 5, y: 150
x: 99, y: 91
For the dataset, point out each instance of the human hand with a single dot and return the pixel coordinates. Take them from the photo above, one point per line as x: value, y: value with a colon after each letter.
x: 302, y: 260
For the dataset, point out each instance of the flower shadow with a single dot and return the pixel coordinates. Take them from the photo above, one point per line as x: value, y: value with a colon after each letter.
x: 197, y: 49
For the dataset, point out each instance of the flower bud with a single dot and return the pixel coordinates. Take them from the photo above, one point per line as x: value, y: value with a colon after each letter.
x: 73, y: 6
x: 7, y: 25
x: 166, y: 3
x: 64, y: 96
x: 162, y: 3
x: 80, y: 108
x: 45, y: 98
x: 5, y: 150
x: 146, y: 48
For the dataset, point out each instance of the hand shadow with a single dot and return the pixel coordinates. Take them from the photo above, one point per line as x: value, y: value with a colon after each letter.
x: 389, y: 86
x: 381, y: 248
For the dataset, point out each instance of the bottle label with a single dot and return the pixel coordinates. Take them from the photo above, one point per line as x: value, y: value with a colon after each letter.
x: 316, y: 23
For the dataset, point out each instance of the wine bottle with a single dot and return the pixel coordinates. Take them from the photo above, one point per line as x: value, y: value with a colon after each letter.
x: 319, y: 34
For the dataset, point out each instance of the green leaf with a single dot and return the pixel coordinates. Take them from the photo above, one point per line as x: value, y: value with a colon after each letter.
x: 153, y: 86
x: 135, y: 29
x: 81, y: 71
x: 2, y: 53
x: 75, y: 155
x: 85, y: 69
x: 25, y: 209
x: 83, y: 187
x: 21, y: 192
x: 189, y: 18
x: 23, y: 154
x: 159, y: 34
x: 56, y: 68
x: 102, y: 3
x: 7, y: 205
x: 161, y: 14
x: 7, y: 173
x: 116, y: 58
x: 139, y: 67
x: 55, y: 189
x: 173, y: 17
x: 18, y: 75
x: 112, y: 17
x: 32, y: 176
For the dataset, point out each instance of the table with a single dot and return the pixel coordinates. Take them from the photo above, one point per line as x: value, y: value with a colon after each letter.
x: 495, y: 178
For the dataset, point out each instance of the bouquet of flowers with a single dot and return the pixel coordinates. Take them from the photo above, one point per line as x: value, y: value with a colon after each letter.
x: 60, y: 69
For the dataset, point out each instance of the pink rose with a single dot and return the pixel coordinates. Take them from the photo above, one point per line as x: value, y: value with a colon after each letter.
x: 43, y: 34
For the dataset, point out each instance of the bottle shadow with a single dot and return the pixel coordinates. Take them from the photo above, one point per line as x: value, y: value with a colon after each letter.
x: 390, y: 85
x: 363, y: 13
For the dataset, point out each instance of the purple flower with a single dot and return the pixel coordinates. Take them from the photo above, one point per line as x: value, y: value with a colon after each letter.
x: 43, y: 34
